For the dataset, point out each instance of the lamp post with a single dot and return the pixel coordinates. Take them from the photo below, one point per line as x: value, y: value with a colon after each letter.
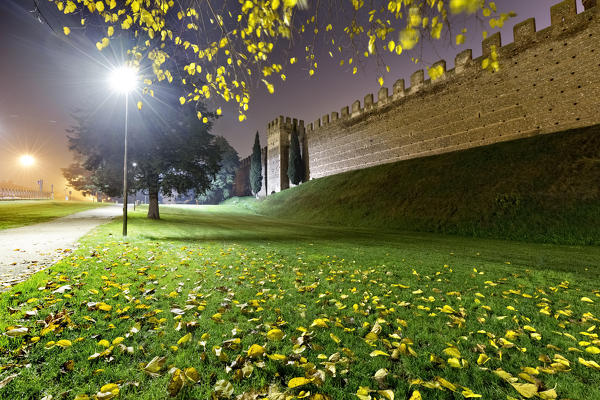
x: 124, y: 80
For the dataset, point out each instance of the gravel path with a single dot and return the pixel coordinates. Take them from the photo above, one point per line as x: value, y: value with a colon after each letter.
x: 29, y: 249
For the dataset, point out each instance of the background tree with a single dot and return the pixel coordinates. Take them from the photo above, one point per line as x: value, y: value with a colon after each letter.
x: 256, y: 166
x: 221, y: 188
x: 80, y: 179
x: 233, y: 43
x: 295, y: 170
x: 173, y: 153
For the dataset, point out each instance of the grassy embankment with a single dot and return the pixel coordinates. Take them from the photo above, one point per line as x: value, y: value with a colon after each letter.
x: 20, y: 213
x: 542, y: 189
x: 256, y: 305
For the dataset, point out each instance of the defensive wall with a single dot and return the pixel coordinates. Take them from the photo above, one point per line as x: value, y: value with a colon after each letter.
x: 548, y: 81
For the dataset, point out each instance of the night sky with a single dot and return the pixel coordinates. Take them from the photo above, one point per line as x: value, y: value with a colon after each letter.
x: 45, y: 77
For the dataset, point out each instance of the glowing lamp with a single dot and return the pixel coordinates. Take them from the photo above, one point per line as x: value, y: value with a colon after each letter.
x: 123, y: 79
x: 26, y: 160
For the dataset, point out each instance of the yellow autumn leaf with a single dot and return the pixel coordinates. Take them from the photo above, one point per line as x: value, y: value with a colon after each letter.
x: 103, y: 343
x: 452, y: 352
x: 118, y: 340
x: 319, y: 322
x: 592, y: 350
x: 415, y: 395
x: 110, y: 31
x: 277, y: 357
x: 589, y: 364
x: 139, y: 105
x: 184, y: 339
x: 376, y: 353
x: 66, y: 30
x: 275, y: 334
x: 454, y: 362
x: 154, y: 366
x: 469, y: 394
x: 527, y: 390
x: 549, y: 394
x: 447, y: 309
x: 587, y: 300
x: 256, y: 351
x: 482, y: 359
x: 63, y: 343
x: 295, y: 382
x: 334, y: 338
x: 386, y: 394
x: 363, y: 393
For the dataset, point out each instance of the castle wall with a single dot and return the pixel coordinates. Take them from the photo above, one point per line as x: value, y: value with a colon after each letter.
x: 548, y: 81
x: 241, y: 181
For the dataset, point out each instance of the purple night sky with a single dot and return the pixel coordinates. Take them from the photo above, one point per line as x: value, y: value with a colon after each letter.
x: 45, y: 77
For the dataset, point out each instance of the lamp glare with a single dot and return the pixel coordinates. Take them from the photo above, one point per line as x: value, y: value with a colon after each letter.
x: 26, y: 160
x: 123, y: 79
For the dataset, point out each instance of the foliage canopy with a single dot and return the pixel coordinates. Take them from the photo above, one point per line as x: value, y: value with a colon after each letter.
x: 218, y: 49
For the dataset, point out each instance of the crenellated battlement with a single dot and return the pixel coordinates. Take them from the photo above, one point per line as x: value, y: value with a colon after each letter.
x: 285, y: 123
x: 564, y: 18
x: 547, y: 82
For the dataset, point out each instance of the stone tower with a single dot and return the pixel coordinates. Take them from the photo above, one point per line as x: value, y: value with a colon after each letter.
x: 278, y: 147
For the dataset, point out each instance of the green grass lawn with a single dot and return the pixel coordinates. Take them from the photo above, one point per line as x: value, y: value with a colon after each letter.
x: 26, y: 212
x: 222, y: 302
x: 544, y: 188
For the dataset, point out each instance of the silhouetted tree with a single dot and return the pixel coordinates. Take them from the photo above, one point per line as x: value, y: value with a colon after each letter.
x: 256, y: 167
x: 295, y: 164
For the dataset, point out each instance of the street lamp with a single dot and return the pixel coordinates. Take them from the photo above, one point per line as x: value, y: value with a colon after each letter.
x: 123, y: 80
x: 27, y: 160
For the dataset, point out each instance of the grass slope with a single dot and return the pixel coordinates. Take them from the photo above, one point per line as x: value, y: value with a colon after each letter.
x: 20, y: 213
x: 213, y: 288
x: 544, y: 189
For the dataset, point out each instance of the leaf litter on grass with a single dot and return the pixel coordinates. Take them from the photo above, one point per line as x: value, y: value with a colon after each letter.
x: 150, y: 320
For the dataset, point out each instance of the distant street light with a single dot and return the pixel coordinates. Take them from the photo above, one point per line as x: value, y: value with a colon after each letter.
x: 27, y: 160
x: 124, y: 80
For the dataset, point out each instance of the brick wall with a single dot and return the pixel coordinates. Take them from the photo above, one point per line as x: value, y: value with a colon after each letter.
x: 548, y: 81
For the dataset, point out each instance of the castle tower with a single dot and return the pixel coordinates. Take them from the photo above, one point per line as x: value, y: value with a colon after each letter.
x: 278, y: 147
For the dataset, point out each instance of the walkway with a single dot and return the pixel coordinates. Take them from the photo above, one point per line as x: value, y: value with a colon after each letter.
x: 29, y: 249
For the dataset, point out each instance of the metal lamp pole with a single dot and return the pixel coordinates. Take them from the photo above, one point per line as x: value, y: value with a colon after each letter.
x: 125, y: 171
x: 123, y: 80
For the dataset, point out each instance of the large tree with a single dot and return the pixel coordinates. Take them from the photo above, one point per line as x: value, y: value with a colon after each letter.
x: 256, y: 167
x: 221, y: 187
x: 173, y: 152
x: 295, y: 164
x: 234, y: 43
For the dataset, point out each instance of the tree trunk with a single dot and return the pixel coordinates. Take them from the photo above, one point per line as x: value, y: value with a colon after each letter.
x: 153, y: 205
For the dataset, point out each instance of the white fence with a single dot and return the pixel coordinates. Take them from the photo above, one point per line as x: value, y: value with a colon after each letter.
x: 15, y: 193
